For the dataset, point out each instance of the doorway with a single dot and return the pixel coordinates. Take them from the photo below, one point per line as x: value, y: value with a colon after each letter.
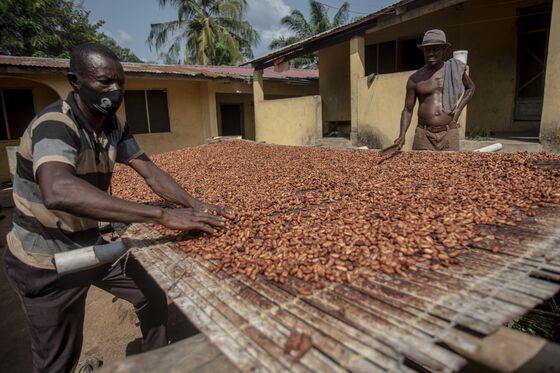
x: 532, y: 48
x: 232, y: 123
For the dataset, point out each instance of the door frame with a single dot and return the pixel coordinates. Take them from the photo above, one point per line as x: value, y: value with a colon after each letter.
x: 517, y: 117
x: 241, y: 116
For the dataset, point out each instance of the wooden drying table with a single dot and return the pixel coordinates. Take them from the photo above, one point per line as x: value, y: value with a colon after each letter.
x: 429, y: 319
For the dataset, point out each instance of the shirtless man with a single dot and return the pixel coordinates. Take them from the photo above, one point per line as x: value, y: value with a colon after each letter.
x: 438, y: 128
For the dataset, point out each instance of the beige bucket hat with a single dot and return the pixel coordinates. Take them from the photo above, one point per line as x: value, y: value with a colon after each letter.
x: 434, y: 37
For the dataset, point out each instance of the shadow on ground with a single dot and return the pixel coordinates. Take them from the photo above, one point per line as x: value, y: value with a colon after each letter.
x: 111, y: 329
x: 179, y: 328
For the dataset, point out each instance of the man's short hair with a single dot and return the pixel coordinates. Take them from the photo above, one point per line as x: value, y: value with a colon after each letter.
x: 81, y: 52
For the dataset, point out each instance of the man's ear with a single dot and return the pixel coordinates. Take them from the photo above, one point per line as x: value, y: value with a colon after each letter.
x: 73, y: 80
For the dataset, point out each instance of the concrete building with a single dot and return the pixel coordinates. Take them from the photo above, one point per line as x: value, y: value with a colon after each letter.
x: 167, y: 107
x: 514, y: 60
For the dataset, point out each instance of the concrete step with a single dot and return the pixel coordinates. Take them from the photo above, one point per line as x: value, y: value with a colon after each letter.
x: 509, y: 146
x: 333, y: 142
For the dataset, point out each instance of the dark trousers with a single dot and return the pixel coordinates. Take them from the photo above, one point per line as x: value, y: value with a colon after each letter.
x: 55, y: 305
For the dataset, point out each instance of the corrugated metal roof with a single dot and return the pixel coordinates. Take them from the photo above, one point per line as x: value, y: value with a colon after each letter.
x: 362, y: 24
x: 349, y: 26
x: 34, y: 64
x: 268, y: 73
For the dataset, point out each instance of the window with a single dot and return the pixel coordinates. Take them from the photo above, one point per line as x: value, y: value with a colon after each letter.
x: 387, y: 57
x: 410, y: 56
x: 147, y: 111
x: 393, y: 56
x: 371, y: 59
x: 16, y: 112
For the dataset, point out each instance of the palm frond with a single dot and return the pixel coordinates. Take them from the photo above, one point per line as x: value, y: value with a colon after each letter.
x: 342, y: 16
x: 297, y: 23
x: 208, y: 31
x: 159, y: 33
x: 283, y: 41
x: 319, y: 17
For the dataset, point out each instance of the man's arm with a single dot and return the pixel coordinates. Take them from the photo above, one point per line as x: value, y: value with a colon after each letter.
x: 167, y: 188
x: 469, y: 92
x: 406, y: 115
x: 63, y: 190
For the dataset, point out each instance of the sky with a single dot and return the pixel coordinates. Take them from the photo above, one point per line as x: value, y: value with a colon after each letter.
x: 128, y: 21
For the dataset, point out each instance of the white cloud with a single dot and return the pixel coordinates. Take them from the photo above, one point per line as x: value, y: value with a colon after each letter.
x: 124, y: 36
x: 108, y: 33
x: 265, y: 16
x: 121, y: 36
x: 273, y: 33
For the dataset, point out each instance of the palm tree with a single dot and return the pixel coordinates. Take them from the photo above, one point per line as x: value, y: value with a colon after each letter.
x: 207, y: 32
x: 302, y: 29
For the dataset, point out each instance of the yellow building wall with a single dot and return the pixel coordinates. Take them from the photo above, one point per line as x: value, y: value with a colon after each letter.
x: 488, y: 30
x: 291, y: 89
x: 379, y: 110
x: 334, y: 82
x: 248, y: 111
x: 271, y: 88
x: 550, y: 122
x: 188, y: 113
x: 192, y: 107
x: 42, y: 96
x: 380, y: 107
x: 290, y: 121
x: 188, y: 119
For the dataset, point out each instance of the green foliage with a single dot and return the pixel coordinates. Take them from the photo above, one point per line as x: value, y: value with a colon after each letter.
x: 542, y: 321
x: 477, y: 133
x: 49, y: 28
x: 207, y: 32
x: 43, y: 28
x: 124, y: 54
x: 303, y: 29
x: 368, y: 138
x: 537, y: 325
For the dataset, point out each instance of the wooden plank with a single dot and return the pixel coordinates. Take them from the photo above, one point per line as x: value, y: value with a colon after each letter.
x: 405, y: 318
x: 194, y: 354
x: 409, y: 302
x: 420, y: 351
x: 369, y: 325
x: 250, y: 319
x: 355, y: 363
x: 272, y: 311
x: 480, y: 308
x: 276, y: 295
x: 259, y: 350
x: 235, y: 352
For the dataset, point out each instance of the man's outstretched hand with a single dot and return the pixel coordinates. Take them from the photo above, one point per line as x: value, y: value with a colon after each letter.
x: 399, y: 142
x: 187, y: 219
x: 209, y: 208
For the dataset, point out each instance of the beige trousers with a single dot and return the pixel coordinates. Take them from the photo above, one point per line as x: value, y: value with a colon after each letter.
x: 438, y: 141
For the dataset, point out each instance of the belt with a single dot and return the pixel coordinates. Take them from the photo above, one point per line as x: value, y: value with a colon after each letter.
x: 437, y: 129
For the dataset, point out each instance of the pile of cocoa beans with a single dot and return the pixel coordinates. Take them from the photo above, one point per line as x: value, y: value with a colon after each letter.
x: 336, y: 215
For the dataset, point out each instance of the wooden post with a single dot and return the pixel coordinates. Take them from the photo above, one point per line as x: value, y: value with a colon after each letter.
x: 357, y: 71
x: 508, y: 350
x: 258, y: 97
x: 550, y: 120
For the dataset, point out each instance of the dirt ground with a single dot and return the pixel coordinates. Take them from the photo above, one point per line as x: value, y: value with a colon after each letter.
x: 111, y: 330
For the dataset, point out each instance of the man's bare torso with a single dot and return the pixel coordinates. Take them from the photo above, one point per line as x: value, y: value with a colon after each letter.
x: 428, y: 86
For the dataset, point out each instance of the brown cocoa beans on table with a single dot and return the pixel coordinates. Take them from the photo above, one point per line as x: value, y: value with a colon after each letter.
x: 315, y: 214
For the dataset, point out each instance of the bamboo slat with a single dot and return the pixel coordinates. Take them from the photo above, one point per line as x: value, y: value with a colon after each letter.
x: 384, y: 323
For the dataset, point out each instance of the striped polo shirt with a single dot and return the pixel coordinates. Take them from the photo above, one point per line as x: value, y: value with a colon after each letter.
x: 60, y: 133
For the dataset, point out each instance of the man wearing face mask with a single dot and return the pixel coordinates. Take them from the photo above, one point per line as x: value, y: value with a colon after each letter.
x: 439, y: 88
x: 64, y: 166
